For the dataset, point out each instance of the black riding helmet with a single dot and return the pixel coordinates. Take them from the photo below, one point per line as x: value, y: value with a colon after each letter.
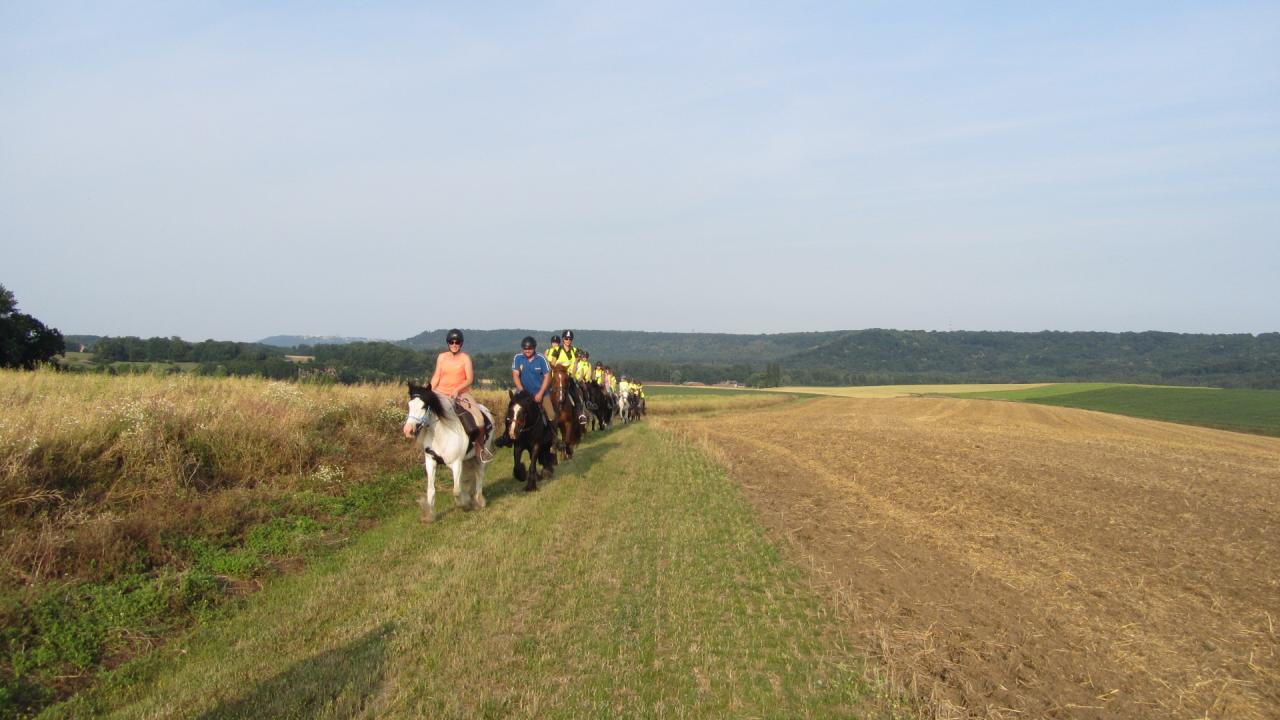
x: 555, y: 339
x: 528, y: 343
x: 454, y: 334
x: 567, y: 334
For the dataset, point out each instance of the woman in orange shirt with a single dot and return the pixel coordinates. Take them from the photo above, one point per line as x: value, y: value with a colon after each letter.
x: 452, y: 379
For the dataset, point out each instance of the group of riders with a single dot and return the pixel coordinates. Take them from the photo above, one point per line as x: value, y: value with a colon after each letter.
x: 593, y: 390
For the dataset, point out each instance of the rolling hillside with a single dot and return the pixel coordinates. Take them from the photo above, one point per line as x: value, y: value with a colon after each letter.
x: 876, y: 356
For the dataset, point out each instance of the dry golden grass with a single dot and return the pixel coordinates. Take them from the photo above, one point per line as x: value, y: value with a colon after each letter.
x: 94, y: 468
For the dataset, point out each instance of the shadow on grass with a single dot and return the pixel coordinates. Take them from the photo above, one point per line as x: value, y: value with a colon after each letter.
x: 587, y: 454
x: 334, y: 684
x: 499, y: 481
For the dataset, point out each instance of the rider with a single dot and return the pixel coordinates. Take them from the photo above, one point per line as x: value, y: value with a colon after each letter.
x: 452, y: 380
x: 531, y: 373
x: 566, y: 354
x: 582, y: 367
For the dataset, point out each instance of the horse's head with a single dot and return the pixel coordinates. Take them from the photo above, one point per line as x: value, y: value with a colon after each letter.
x: 519, y: 414
x: 559, y: 378
x: 422, y: 404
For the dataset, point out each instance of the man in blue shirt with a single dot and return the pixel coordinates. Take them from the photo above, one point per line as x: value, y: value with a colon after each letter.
x: 531, y: 373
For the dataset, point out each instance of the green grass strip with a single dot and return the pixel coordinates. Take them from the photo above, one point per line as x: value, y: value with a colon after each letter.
x: 635, y: 584
x: 1242, y: 410
x: 1034, y: 393
x: 1254, y: 411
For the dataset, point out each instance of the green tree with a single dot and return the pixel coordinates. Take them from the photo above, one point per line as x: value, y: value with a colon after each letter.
x: 25, y: 341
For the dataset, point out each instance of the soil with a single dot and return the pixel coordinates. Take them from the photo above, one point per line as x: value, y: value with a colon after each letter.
x: 1006, y: 560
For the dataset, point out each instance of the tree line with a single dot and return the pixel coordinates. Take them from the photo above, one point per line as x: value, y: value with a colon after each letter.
x: 350, y: 363
x: 871, y: 357
x: 25, y: 341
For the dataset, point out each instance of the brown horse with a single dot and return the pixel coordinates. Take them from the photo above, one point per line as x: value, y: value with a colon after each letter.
x: 566, y: 414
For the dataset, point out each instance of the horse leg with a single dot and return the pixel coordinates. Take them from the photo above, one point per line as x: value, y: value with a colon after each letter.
x: 477, y: 484
x: 428, y: 501
x: 461, y: 499
x: 517, y: 470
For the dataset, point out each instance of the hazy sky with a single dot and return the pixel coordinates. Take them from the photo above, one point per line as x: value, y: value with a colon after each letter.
x: 236, y: 170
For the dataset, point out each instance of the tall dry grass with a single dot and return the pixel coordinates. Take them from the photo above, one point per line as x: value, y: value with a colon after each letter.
x: 96, y: 470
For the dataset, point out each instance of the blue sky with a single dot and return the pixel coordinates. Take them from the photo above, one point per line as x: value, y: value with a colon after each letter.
x: 240, y: 170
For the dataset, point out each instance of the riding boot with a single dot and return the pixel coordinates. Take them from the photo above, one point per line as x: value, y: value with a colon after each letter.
x: 482, y: 452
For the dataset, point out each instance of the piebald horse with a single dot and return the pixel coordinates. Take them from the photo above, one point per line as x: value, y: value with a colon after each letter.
x: 445, y: 442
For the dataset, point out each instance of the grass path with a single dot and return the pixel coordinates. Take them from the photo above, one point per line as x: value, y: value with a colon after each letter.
x: 635, y: 584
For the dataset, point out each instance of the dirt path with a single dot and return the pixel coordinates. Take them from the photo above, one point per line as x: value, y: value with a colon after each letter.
x: 1012, y: 560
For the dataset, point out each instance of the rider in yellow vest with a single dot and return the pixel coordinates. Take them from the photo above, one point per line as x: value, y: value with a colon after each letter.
x: 582, y: 367
x: 567, y: 355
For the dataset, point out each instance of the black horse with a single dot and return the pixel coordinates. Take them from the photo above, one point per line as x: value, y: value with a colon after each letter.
x: 601, y: 405
x: 527, y: 429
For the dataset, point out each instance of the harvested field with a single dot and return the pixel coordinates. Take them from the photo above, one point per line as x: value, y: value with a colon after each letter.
x: 1007, y: 560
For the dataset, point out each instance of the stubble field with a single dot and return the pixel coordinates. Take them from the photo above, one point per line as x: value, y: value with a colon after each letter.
x: 1008, y: 560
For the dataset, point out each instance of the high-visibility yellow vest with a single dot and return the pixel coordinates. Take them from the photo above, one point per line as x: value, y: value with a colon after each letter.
x: 559, y: 355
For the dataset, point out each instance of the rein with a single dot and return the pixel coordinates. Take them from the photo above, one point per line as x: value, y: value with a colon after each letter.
x: 534, y: 411
x: 422, y: 422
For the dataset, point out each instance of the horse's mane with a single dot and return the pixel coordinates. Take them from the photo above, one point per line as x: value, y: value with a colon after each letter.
x: 430, y: 398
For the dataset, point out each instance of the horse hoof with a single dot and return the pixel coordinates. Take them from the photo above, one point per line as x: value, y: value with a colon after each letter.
x: 427, y: 517
x: 480, y: 502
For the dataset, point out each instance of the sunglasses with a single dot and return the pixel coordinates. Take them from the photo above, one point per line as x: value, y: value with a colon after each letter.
x: 454, y: 342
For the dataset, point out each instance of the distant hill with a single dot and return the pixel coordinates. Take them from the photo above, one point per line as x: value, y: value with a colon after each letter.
x: 966, y: 356
x: 879, y: 356
x: 860, y: 357
x: 288, y: 341
x: 672, y: 347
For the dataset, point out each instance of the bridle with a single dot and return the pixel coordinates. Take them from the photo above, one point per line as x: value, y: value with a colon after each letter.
x: 419, y: 413
x: 527, y: 425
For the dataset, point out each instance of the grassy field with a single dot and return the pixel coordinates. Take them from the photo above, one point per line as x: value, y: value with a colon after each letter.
x: 896, y: 391
x: 1254, y: 411
x: 132, y: 505
x: 84, y: 361
x: 694, y: 390
x: 635, y: 583
x: 681, y: 399
x: 143, y: 513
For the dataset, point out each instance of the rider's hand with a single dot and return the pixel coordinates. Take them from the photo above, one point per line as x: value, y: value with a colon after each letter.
x: 409, y: 429
x: 537, y: 398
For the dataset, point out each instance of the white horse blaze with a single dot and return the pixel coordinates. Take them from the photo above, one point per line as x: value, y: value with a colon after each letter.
x: 515, y: 416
